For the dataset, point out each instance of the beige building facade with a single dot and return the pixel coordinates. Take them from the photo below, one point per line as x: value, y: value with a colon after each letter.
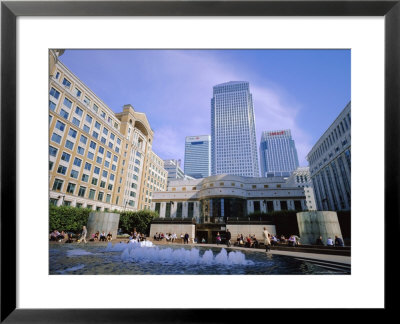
x: 98, y: 159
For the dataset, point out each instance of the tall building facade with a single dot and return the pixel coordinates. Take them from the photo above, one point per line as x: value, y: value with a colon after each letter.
x: 330, y: 164
x: 278, y: 154
x: 198, y: 156
x: 173, y: 167
x: 233, y: 130
x: 98, y: 159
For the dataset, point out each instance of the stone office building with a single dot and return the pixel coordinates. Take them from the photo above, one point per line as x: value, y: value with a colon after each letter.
x: 204, y: 206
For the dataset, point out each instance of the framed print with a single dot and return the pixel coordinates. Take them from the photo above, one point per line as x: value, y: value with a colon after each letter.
x: 231, y: 30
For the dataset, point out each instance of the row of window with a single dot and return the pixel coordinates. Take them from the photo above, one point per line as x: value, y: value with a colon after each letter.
x: 58, y: 184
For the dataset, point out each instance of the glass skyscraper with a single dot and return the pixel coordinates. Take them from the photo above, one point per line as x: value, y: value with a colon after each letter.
x: 198, y: 156
x: 278, y: 154
x: 233, y: 130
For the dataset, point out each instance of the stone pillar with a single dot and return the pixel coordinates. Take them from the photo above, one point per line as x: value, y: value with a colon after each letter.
x: 107, y: 222
x: 163, y: 206
x: 290, y: 204
x: 174, y: 208
x: 277, y: 205
x: 250, y: 207
x: 313, y: 224
x: 185, y: 206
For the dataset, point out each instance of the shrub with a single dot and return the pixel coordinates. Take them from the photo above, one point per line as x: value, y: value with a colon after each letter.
x: 67, y: 218
x: 140, y: 220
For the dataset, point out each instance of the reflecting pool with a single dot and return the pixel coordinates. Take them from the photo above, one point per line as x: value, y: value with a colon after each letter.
x: 144, y: 258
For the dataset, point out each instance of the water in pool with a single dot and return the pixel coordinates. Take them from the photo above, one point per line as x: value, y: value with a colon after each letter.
x: 145, y: 258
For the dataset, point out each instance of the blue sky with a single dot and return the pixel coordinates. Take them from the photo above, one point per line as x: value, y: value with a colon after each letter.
x: 301, y: 90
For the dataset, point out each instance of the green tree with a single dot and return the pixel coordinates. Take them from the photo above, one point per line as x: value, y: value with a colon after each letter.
x: 67, y: 218
x: 140, y: 220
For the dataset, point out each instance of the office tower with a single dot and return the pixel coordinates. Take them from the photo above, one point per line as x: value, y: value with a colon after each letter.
x: 301, y: 178
x: 233, y: 130
x: 330, y: 164
x: 198, y: 156
x: 278, y: 154
x: 173, y: 167
x: 98, y: 159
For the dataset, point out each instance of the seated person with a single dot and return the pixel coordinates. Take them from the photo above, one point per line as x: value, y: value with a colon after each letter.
x: 248, y: 242
x: 69, y: 238
x: 292, y: 241
x: 274, y: 240
x: 319, y: 241
x: 96, y: 236
x: 109, y: 236
x: 103, y: 236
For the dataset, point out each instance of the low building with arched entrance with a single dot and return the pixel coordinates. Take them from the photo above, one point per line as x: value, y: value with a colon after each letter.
x: 203, y: 207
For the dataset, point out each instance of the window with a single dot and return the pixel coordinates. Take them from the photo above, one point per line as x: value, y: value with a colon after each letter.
x: 57, y: 75
x: 92, y: 193
x: 54, y: 93
x: 112, y: 176
x: 74, y: 174
x: 108, y: 198
x: 89, y: 119
x: 90, y: 155
x: 85, y: 177
x: 116, y: 149
x: 65, y: 156
x: 86, y: 128
x: 67, y: 103
x: 71, y: 188
x: 64, y: 114
x: 97, y: 125
x: 132, y: 194
x: 108, y: 154
x: 77, y: 162
x: 83, y: 139
x: 52, y: 105
x: 72, y: 133
x: 66, y: 83
x: 56, y: 138
x: 103, y: 140
x: 62, y: 169
x: 103, y: 114
x: 52, y: 151
x: 118, y: 141
x: 114, y: 167
x: 115, y: 158
x: 92, y: 145
x: 95, y: 108
x: 80, y: 150
x: 78, y: 92
x: 101, y: 150
x: 94, y: 181
x: 102, y: 184
x: 76, y: 121
x: 60, y: 126
x: 110, y: 145
x: 107, y: 164
x: 95, y: 135
x: 78, y: 111
x: 96, y: 170
x: 105, y: 173
x: 86, y: 100
x: 82, y: 191
x: 99, y: 160
x: 88, y: 166
x: 265, y: 186
x: 110, y: 186
x: 100, y: 196
x: 105, y: 131
x: 137, y: 162
x: 57, y: 185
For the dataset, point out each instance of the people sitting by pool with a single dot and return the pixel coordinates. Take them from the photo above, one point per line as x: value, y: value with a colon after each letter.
x: 248, y: 242
x: 109, y: 237
x: 292, y: 241
x: 319, y: 241
x: 338, y: 241
x: 274, y: 240
x: 283, y: 239
x: 53, y: 235
x: 329, y: 242
x: 174, y: 237
x: 103, y: 236
x: 69, y: 240
x: 218, y: 238
x: 203, y: 240
x: 255, y: 241
x: 96, y: 236
x: 195, y: 240
x: 167, y: 237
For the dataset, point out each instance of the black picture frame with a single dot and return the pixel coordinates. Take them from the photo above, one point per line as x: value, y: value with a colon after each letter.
x: 10, y: 10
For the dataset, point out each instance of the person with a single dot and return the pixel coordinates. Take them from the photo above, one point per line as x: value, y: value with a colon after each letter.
x: 96, y: 236
x: 267, y: 241
x: 155, y: 236
x: 338, y: 241
x: 319, y: 241
x: 186, y: 239
x: 274, y: 240
x: 248, y: 242
x: 174, y: 237
x: 182, y: 238
x: 228, y: 238
x: 292, y: 240
x: 283, y: 239
x: 83, y: 234
x: 329, y: 242
x: 69, y: 238
x: 203, y: 240
x: 218, y: 238
x: 53, y: 236
x: 103, y: 236
x: 109, y: 236
x: 255, y: 241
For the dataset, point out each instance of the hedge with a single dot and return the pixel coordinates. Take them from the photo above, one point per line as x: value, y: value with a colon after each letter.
x: 71, y: 219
